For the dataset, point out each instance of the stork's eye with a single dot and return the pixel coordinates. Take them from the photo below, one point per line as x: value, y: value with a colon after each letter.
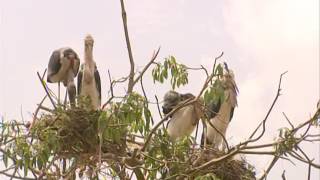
x: 71, y: 56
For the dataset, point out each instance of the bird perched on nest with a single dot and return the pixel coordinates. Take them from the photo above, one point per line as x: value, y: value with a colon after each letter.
x: 183, y: 121
x: 63, y: 67
x: 220, y: 113
x: 89, y: 84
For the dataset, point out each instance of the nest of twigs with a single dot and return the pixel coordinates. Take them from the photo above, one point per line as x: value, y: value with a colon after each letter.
x: 230, y: 169
x: 74, y: 131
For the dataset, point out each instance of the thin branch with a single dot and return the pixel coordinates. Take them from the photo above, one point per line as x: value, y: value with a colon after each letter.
x: 111, y: 91
x: 263, y: 123
x: 45, y: 88
x: 220, y: 133
x: 146, y: 98
x: 153, y: 58
x: 273, y: 162
x: 125, y: 28
x: 286, y: 117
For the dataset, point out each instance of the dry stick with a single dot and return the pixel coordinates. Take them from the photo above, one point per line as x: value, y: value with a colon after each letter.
x: 45, y: 88
x: 303, y: 160
x: 200, y: 68
x: 183, y: 104
x: 37, y: 111
x: 273, y: 162
x: 286, y: 117
x: 146, y: 99
x: 159, y: 111
x: 213, y: 161
x: 308, y: 159
x: 158, y: 106
x: 220, y: 133
x: 111, y: 91
x: 153, y: 58
x: 283, y: 175
x: 210, y: 77
x: 263, y: 123
x: 125, y: 27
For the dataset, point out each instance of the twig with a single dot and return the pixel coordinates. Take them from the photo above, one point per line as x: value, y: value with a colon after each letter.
x: 283, y: 175
x: 220, y: 133
x: 125, y: 27
x: 37, y: 111
x: 273, y: 162
x: 263, y: 123
x: 45, y: 88
x: 111, y: 91
x: 146, y: 99
x: 153, y: 58
x: 286, y: 117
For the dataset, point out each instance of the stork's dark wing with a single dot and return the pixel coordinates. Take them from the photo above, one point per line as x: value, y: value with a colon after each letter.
x: 54, y: 65
x: 213, y: 108
x: 231, y: 113
x: 80, y: 74
x: 98, y: 82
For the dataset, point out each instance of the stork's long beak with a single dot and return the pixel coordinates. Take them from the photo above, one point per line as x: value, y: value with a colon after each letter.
x: 72, y: 93
x: 226, y: 66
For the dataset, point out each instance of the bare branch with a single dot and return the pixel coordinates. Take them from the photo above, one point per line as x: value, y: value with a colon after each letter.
x: 273, y: 162
x: 45, y: 88
x: 263, y: 123
x: 125, y: 27
x: 284, y: 114
x: 153, y: 58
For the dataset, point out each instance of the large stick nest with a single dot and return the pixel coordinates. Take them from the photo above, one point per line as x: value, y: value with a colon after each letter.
x: 75, y: 132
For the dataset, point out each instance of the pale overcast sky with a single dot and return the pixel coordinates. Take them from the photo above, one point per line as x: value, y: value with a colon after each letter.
x: 260, y: 39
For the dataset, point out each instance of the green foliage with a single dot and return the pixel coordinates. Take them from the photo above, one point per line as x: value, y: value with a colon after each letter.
x: 178, y: 72
x: 286, y: 142
x: 209, y: 176
x: 215, y: 91
x: 175, y: 154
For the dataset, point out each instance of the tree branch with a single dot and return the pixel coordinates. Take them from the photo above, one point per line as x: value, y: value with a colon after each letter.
x: 125, y: 28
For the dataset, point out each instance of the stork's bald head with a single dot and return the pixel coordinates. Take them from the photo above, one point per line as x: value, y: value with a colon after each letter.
x: 228, y: 79
x: 171, y: 99
x: 70, y: 54
x: 88, y: 41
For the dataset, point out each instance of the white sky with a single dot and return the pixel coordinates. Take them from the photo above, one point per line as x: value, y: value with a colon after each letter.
x: 261, y: 39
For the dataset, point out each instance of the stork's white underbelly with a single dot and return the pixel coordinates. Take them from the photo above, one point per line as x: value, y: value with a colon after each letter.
x: 90, y: 90
x: 182, y: 123
x: 220, y: 122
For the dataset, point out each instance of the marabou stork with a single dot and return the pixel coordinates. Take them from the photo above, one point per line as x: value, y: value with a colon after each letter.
x: 221, y: 112
x: 183, y: 121
x: 89, y: 84
x: 63, y: 67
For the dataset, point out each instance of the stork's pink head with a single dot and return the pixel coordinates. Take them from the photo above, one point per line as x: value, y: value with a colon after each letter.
x: 88, y: 41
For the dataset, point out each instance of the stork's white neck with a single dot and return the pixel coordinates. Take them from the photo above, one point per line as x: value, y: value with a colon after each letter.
x: 88, y: 57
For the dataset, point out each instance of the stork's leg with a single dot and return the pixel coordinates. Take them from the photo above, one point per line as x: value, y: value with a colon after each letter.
x: 59, y: 93
x: 71, y: 88
x: 65, y: 99
x: 72, y: 93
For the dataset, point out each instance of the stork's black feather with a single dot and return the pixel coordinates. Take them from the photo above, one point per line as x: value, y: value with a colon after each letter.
x: 231, y: 113
x: 98, y: 82
x: 80, y: 74
x: 213, y: 108
x: 54, y: 64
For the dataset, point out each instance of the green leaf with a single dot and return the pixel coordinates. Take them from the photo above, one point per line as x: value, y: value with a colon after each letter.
x: 5, y: 159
